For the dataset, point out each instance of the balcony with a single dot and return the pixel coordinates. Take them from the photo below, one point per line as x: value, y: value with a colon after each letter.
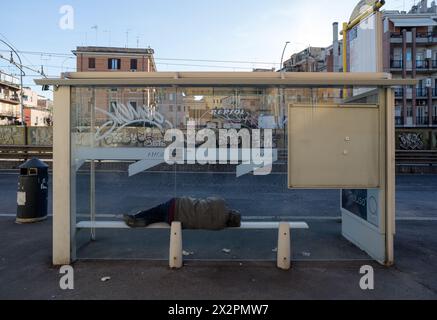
x: 396, y: 64
x: 399, y: 92
x: 399, y: 121
x: 421, y: 93
x: 422, y: 121
x: 422, y: 65
x: 10, y: 99
x: 426, y: 37
x: 421, y: 37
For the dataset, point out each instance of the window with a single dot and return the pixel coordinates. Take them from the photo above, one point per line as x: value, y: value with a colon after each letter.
x: 91, y: 63
x: 114, y: 64
x: 133, y: 104
x: 171, y: 108
x: 179, y: 108
x: 112, y: 106
x: 133, y: 64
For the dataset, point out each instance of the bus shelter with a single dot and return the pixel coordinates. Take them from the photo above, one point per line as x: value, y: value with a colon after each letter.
x: 245, y: 131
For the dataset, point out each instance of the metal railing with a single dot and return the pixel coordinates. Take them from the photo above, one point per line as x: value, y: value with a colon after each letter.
x: 416, y: 157
x: 422, y: 64
x: 396, y: 64
x: 428, y: 35
x: 422, y: 121
x: 23, y: 153
x: 421, y: 92
x: 399, y: 92
x: 9, y: 98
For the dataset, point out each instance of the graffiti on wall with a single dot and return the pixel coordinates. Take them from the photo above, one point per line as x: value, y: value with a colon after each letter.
x: 135, y: 137
x: 40, y: 136
x: 411, y: 141
x: 125, y: 137
x: 12, y: 135
x: 237, y: 116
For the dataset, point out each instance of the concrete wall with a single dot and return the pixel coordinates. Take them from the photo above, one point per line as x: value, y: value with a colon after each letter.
x: 416, y: 139
x: 12, y: 135
x: 406, y: 139
x: 36, y: 136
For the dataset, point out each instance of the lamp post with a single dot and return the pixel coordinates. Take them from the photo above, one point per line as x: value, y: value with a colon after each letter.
x: 282, y: 113
x: 21, y: 79
x: 283, y: 52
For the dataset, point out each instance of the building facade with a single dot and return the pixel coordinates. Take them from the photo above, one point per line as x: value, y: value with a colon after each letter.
x: 37, y: 109
x: 410, y: 51
x: 111, y: 59
x: 10, y: 110
x: 312, y: 59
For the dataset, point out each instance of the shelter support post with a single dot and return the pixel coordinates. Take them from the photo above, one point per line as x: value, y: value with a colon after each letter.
x: 64, y: 218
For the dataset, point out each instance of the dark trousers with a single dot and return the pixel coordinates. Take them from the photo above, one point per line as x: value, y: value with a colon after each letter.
x: 158, y: 214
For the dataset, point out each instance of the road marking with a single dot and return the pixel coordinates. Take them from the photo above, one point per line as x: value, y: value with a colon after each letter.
x: 146, y: 172
x: 416, y: 219
x: 291, y: 217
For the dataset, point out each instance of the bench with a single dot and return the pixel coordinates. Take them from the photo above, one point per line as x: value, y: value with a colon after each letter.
x: 176, y: 256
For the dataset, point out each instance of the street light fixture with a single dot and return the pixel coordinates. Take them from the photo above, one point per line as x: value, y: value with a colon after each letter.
x: 283, y: 52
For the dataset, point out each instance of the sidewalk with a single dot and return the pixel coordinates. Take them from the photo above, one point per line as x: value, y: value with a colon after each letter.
x: 26, y: 273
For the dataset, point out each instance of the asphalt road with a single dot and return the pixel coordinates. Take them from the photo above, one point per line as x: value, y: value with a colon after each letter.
x: 325, y: 265
x: 26, y: 271
x: 256, y: 197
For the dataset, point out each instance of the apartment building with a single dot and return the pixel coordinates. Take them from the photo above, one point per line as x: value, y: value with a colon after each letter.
x: 410, y: 51
x: 10, y: 111
x: 37, y: 111
x: 312, y: 59
x: 111, y: 59
x: 114, y: 59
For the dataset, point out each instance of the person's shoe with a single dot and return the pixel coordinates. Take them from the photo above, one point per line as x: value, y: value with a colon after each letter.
x: 134, y: 222
x: 234, y: 219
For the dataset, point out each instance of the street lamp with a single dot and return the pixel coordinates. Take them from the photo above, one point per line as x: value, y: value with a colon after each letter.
x: 283, y: 52
x: 21, y: 78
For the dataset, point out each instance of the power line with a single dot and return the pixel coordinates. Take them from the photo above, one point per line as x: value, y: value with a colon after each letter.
x: 202, y: 66
x: 72, y: 56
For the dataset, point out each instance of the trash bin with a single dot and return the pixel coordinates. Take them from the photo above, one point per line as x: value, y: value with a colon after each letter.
x: 33, y: 192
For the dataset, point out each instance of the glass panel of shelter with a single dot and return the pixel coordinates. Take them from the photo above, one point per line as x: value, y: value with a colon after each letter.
x: 137, y: 118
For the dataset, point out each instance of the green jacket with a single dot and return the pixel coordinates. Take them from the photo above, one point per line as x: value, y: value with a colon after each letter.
x: 208, y: 214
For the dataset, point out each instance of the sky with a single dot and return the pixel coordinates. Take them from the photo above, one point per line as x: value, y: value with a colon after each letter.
x: 251, y: 33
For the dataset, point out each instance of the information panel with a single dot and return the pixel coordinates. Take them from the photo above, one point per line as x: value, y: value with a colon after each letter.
x: 333, y: 146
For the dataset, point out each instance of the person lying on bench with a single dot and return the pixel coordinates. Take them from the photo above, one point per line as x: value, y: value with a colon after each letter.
x: 205, y: 214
